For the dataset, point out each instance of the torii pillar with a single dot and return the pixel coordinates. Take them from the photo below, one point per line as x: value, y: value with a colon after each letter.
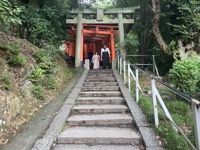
x: 78, y: 40
x: 121, y: 34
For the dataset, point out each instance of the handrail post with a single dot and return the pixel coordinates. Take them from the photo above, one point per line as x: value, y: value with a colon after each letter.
x: 153, y: 92
x: 124, y: 71
x: 196, y: 111
x: 118, y: 59
x: 129, y: 78
x: 120, y: 66
x: 137, y: 85
x: 153, y: 63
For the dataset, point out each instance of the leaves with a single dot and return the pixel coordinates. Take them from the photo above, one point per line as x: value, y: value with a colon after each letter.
x: 185, y: 75
x: 8, y: 14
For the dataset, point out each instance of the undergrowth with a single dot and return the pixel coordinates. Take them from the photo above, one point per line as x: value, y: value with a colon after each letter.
x: 181, y: 113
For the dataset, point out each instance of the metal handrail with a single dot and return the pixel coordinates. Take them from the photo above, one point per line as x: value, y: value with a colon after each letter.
x: 186, y: 97
x: 195, y: 103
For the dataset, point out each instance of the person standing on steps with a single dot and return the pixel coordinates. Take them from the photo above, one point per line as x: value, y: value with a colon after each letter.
x: 90, y: 55
x: 95, y: 60
x: 105, y: 54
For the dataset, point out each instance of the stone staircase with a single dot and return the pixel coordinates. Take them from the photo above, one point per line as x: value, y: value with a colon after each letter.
x: 100, y: 120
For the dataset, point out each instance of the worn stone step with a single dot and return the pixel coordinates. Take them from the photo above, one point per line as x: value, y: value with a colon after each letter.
x: 99, y: 109
x: 100, y: 88
x: 100, y: 84
x: 102, y: 74
x: 95, y: 147
x: 100, y: 94
x: 100, y: 100
x: 99, y: 135
x: 100, y: 119
x: 101, y: 71
x: 99, y: 76
x: 101, y: 80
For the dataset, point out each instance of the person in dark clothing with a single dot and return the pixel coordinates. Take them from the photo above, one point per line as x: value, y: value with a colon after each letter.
x: 105, y: 54
x: 90, y: 55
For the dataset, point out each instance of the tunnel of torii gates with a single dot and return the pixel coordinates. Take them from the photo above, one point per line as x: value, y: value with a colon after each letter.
x: 88, y: 34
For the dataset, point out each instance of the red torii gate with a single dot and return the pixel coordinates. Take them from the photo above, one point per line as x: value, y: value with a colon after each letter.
x: 93, y: 38
x: 91, y: 29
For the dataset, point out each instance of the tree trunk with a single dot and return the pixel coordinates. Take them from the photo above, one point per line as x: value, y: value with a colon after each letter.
x: 155, y: 25
x: 144, y: 32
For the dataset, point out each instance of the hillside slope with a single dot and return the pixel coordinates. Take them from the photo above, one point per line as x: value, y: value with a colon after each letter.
x: 30, y: 78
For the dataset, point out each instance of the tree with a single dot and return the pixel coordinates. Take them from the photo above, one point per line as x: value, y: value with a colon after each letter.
x: 9, y: 15
x: 155, y: 25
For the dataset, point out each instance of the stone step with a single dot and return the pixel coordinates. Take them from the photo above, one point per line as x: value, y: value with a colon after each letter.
x: 99, y: 135
x: 100, y: 84
x: 100, y: 88
x: 95, y: 147
x: 100, y: 119
x: 99, y: 109
x: 101, y: 71
x: 99, y: 76
x: 102, y: 74
x: 100, y: 100
x: 101, y: 80
x: 100, y: 94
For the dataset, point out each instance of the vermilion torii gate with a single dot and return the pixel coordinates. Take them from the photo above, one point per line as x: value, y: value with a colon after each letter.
x: 90, y: 29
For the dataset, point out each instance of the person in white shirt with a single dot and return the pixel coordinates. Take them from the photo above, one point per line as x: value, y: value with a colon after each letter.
x: 105, y: 54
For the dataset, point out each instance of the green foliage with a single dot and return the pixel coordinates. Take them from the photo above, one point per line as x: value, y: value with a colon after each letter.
x: 104, y: 4
x: 49, y: 82
x: 41, y: 56
x: 46, y: 61
x: 188, y: 21
x: 5, y: 82
x: 45, y: 21
x: 38, y: 92
x: 37, y: 75
x: 181, y: 113
x: 8, y: 14
x: 17, y: 60
x: 185, y: 74
x: 11, y: 48
x: 172, y: 140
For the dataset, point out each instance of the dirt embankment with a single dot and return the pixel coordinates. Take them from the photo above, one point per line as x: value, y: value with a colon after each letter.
x: 17, y: 101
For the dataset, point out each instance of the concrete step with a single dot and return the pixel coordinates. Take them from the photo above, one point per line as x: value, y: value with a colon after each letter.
x: 100, y: 88
x: 100, y: 100
x: 100, y: 94
x: 101, y: 71
x: 95, y: 147
x: 100, y: 84
x: 101, y: 80
x: 100, y: 76
x: 99, y: 109
x: 98, y: 135
x: 100, y: 119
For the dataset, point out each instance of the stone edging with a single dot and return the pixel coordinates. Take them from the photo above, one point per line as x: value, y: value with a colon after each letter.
x: 55, y: 127
x: 146, y: 131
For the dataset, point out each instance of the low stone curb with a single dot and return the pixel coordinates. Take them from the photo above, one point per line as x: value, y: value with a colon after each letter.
x: 147, y: 133
x: 55, y: 128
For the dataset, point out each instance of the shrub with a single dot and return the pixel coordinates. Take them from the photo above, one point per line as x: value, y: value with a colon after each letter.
x: 46, y: 62
x: 5, y: 82
x: 17, y: 60
x: 12, y: 48
x: 37, y: 75
x: 49, y: 82
x: 41, y: 56
x: 185, y: 75
x: 38, y: 92
x: 171, y: 139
